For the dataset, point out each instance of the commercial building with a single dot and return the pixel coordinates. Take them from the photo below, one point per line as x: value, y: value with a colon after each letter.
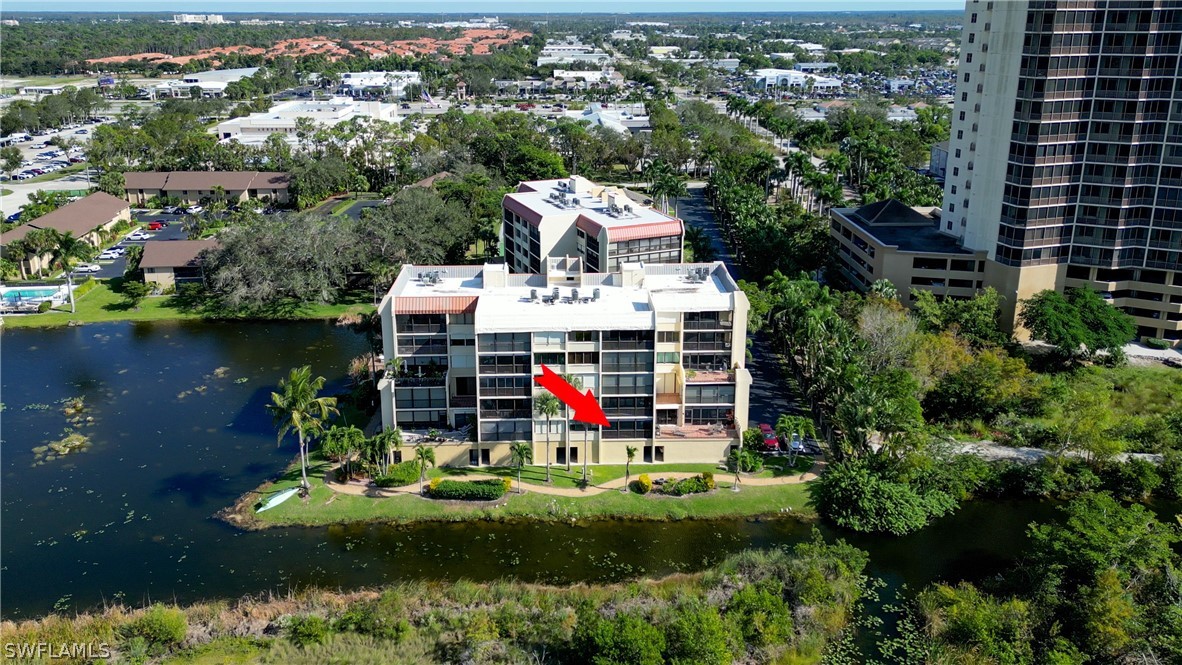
x: 616, y: 119
x: 576, y: 217
x: 255, y: 128
x: 85, y: 219
x: 1064, y: 167
x: 194, y: 186
x: 211, y: 83
x: 889, y: 240
x: 569, y: 51
x: 358, y: 84
x: 772, y: 78
x: 201, y: 19
x: 663, y: 347
x: 167, y: 263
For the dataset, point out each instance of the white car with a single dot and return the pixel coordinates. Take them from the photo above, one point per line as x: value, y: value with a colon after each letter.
x: 88, y: 267
x: 138, y: 235
x: 108, y: 255
x: 193, y: 210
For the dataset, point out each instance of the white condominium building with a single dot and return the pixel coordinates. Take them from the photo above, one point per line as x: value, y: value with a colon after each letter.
x: 662, y: 347
x: 576, y: 217
x: 282, y: 119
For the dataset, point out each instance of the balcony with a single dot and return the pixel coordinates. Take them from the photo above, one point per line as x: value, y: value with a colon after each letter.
x: 668, y: 399
x: 709, y: 376
x: 419, y: 381
x: 715, y: 431
x: 462, y: 401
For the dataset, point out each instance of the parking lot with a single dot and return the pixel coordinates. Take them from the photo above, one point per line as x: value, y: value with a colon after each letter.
x: 116, y: 267
x: 38, y: 154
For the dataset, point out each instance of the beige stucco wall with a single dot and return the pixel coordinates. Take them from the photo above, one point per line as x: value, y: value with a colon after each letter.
x: 162, y: 276
x: 1016, y: 284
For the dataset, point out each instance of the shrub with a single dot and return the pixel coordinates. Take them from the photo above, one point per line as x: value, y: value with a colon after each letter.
x: 626, y: 638
x: 858, y: 497
x: 432, y: 484
x: 1134, y: 479
x: 508, y: 482
x: 367, y: 619
x: 85, y: 287
x: 643, y: 484
x: 748, y: 460
x: 760, y: 614
x: 703, y: 482
x: 697, y: 636
x: 159, y: 628
x: 1154, y: 343
x: 1171, y: 475
x: 399, y: 475
x: 44, y: 307
x: 470, y: 490
x: 307, y: 630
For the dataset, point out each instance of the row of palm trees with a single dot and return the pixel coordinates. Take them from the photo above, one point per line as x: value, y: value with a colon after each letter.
x: 64, y: 248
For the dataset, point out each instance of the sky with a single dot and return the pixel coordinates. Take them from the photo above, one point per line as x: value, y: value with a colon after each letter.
x: 470, y: 6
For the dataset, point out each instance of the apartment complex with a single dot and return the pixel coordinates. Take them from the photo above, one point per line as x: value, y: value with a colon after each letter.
x: 195, y: 186
x: 1065, y: 161
x: 573, y: 216
x: 662, y: 347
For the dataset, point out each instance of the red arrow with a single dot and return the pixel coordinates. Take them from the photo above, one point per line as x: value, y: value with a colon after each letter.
x: 586, y: 407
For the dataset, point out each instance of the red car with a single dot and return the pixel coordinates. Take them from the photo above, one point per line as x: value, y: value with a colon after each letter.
x: 770, y: 440
x: 156, y: 226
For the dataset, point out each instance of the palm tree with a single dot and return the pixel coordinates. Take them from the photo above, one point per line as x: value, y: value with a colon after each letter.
x: 67, y: 248
x: 788, y: 425
x: 546, y: 404
x: 299, y: 407
x: 520, y: 454
x: 389, y: 440
x: 426, y: 458
x: 700, y: 244
x: 631, y: 452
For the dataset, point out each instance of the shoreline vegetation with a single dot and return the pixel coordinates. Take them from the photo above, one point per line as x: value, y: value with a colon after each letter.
x: 325, y: 506
x: 106, y: 304
x: 779, y: 605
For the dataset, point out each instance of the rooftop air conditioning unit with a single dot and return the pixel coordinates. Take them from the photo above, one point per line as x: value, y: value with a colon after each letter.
x: 574, y: 295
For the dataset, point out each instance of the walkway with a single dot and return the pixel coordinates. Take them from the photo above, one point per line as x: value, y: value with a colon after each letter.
x: 615, y: 484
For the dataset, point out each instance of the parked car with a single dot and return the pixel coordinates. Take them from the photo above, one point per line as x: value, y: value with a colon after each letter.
x: 769, y: 436
x: 14, y: 217
x: 156, y: 226
x: 138, y: 235
x: 171, y: 210
x: 88, y: 267
x: 108, y: 255
x: 82, y: 131
x: 194, y: 209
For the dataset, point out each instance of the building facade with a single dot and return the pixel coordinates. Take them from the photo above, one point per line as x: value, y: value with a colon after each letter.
x: 191, y: 187
x: 576, y: 217
x: 281, y: 119
x: 663, y: 347
x: 1065, y: 161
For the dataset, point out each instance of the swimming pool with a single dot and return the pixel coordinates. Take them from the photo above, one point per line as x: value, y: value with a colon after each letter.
x: 13, y: 295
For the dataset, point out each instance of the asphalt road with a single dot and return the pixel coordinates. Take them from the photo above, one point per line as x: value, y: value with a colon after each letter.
x: 770, y: 395
x: 173, y: 231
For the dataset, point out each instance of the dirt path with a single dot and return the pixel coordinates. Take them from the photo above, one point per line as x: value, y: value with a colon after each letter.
x: 358, y: 489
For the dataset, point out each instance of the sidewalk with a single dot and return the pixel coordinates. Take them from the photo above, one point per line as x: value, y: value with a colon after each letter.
x: 723, y: 479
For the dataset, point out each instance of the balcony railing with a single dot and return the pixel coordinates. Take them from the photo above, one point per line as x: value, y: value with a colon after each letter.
x: 713, y: 431
x: 419, y: 381
x: 462, y: 401
x: 666, y: 399
x: 709, y: 376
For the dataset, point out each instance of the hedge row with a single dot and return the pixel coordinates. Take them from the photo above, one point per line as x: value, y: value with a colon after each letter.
x: 400, y: 475
x: 703, y: 482
x: 470, y: 490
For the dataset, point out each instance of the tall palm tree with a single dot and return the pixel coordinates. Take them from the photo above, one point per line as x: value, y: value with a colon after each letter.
x: 389, y: 440
x: 546, y: 404
x: 520, y: 454
x: 67, y: 248
x: 631, y: 452
x: 425, y: 457
x: 700, y: 244
x: 788, y: 425
x: 298, y: 407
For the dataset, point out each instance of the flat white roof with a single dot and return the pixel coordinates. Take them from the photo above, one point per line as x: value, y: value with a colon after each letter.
x: 593, y: 202
x: 511, y: 308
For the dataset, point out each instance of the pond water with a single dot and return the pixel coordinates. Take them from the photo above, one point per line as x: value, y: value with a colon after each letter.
x: 174, y: 439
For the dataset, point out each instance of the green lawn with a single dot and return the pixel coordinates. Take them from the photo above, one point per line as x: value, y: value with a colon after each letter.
x: 558, y: 473
x: 57, y: 175
x: 5, y: 192
x: 325, y: 506
x: 340, y: 208
x: 104, y: 303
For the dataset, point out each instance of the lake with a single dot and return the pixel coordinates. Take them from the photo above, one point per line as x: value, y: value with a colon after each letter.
x: 175, y: 439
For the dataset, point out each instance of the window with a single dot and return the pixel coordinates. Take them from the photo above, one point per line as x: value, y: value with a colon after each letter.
x: 966, y: 77
x: 962, y: 116
x: 724, y: 394
x: 972, y: 38
x: 955, y: 170
x: 668, y: 357
x: 954, y: 189
x: 583, y: 357
x: 636, y: 384
x: 958, y: 153
x: 964, y: 97
x: 581, y: 335
x: 629, y: 429
x: 973, y: 18
x: 951, y: 207
x: 667, y: 337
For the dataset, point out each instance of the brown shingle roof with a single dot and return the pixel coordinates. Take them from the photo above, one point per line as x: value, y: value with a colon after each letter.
x: 144, y: 180
x: 173, y: 253
x: 80, y: 217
